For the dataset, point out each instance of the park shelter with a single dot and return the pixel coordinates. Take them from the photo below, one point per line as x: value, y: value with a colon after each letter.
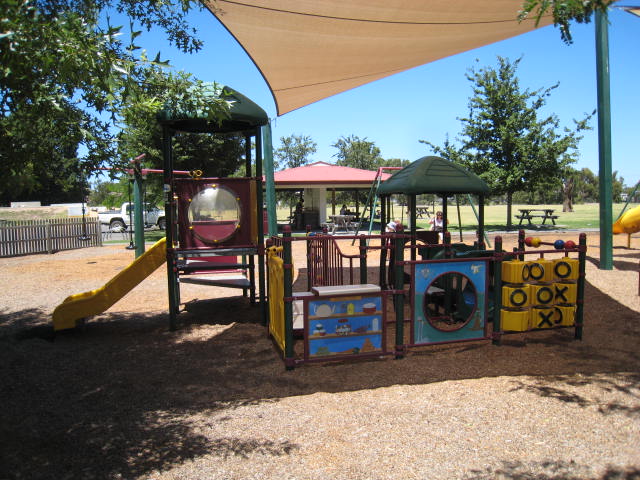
x: 317, y: 179
x: 433, y: 175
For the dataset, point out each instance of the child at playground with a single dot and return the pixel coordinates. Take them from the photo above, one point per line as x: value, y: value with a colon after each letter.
x: 437, y: 224
x: 393, y: 225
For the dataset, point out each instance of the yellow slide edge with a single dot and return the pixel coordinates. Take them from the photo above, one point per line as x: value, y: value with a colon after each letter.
x: 93, y: 302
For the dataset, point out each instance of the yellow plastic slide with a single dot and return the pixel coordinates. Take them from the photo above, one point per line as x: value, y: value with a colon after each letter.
x: 629, y: 222
x: 96, y: 301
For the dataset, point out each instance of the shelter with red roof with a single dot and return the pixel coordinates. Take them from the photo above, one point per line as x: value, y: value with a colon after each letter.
x: 318, y: 177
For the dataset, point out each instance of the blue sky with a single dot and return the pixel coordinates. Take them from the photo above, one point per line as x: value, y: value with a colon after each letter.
x: 438, y: 92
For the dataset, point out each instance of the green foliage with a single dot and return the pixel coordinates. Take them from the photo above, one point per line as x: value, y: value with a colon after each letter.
x: 505, y: 140
x: 294, y: 151
x: 357, y: 153
x: 67, y: 77
x: 563, y: 11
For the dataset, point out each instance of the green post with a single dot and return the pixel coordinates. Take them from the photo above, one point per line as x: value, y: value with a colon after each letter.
x: 398, y: 296
x: 269, y: 181
x: 363, y: 260
x: 138, y: 213
x: 582, y: 256
x: 497, y: 291
x: 604, y: 140
x: 288, y: 306
x: 169, y: 202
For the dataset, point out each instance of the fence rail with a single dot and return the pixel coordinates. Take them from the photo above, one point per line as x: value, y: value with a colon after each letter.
x: 26, y: 237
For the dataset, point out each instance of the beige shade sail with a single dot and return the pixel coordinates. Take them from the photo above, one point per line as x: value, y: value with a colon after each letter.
x: 308, y: 50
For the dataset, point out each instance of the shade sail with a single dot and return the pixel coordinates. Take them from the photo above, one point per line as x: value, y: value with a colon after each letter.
x: 244, y: 114
x: 308, y: 50
x: 433, y: 175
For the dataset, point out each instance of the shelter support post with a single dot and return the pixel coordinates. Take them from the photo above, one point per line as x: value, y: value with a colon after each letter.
x: 604, y: 140
x: 270, y: 188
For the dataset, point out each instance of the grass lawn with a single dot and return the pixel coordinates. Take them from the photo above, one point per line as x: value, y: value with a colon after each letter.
x: 584, y: 216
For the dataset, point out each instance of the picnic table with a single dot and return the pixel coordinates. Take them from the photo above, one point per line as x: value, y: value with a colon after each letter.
x: 344, y: 222
x: 531, y: 213
x: 422, y: 210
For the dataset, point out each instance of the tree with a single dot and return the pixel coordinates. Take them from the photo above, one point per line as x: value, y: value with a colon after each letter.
x: 294, y: 151
x: 563, y: 11
x: 66, y: 76
x: 357, y: 153
x: 503, y: 139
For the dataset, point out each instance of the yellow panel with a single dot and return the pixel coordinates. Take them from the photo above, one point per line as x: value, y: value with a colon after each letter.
x: 543, y: 295
x: 565, y: 293
x: 542, y: 317
x: 276, y: 296
x: 514, y: 320
x: 516, y: 296
x: 566, y: 268
x: 541, y: 270
x: 564, y: 315
x: 515, y: 271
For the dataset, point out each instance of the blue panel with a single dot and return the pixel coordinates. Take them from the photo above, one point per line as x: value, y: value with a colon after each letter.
x: 425, y: 273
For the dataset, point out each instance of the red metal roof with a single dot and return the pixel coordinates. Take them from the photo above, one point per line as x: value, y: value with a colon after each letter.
x: 326, y: 174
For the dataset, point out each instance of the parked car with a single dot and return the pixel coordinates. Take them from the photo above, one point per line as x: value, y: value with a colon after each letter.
x: 119, y: 219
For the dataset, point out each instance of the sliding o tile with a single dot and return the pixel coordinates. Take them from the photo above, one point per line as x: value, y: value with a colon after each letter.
x: 566, y: 269
x: 541, y: 270
x: 516, y: 296
x: 542, y: 295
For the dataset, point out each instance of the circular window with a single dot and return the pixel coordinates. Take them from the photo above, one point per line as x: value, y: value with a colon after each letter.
x: 214, y: 214
x: 449, y: 301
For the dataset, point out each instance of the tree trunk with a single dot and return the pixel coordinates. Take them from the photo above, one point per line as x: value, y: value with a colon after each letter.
x: 509, y: 200
x: 567, y: 196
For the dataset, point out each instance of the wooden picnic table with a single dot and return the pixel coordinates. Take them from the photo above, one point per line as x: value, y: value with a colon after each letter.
x: 422, y: 210
x: 531, y: 213
x: 344, y: 222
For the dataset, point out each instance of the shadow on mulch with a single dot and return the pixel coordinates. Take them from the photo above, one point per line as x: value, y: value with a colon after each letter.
x: 115, y: 397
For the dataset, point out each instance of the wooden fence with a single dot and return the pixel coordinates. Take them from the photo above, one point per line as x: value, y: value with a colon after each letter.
x: 48, y: 236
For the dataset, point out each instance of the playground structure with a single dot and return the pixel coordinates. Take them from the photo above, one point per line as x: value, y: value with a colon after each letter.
x: 455, y: 295
x: 210, y: 223
x: 457, y: 292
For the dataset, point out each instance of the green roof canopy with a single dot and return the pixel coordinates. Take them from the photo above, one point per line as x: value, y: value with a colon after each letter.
x: 244, y: 115
x: 433, y: 175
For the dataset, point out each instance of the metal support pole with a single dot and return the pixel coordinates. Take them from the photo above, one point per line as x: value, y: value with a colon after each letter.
x: 398, y: 296
x: 138, y: 219
x: 172, y: 273
x: 270, y: 183
x: 604, y: 140
x: 582, y: 256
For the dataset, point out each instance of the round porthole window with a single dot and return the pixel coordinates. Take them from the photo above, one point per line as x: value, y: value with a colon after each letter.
x: 449, y: 302
x: 214, y: 214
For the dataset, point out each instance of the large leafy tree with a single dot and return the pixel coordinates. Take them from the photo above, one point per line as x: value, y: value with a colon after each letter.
x: 66, y: 74
x: 294, y: 151
x: 357, y: 152
x: 506, y: 138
